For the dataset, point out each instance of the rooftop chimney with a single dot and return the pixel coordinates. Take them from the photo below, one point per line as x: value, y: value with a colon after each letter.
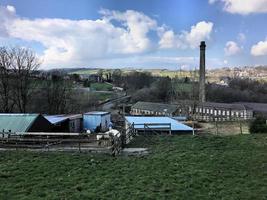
x: 202, y: 75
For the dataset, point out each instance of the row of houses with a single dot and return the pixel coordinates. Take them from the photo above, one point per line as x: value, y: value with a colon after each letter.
x: 207, y: 111
x: 75, y: 123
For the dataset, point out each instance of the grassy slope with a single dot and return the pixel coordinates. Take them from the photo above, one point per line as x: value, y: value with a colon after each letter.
x: 101, y: 86
x: 181, y: 167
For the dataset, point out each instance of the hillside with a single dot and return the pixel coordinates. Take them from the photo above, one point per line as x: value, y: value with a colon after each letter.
x: 184, y: 167
x: 214, y: 75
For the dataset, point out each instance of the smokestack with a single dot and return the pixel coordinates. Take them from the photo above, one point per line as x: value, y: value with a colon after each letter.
x: 202, y: 73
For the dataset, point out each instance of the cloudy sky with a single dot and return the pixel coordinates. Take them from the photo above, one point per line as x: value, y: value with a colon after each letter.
x: 139, y: 33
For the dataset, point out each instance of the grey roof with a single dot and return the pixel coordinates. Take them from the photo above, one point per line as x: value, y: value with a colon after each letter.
x: 156, y: 107
x: 16, y: 122
x: 225, y: 106
x: 232, y: 106
x: 256, y: 107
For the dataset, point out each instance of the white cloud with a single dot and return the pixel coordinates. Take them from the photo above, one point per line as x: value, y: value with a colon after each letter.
x: 259, y: 49
x: 241, y: 37
x: 77, y: 42
x: 115, y: 37
x: 201, y: 31
x: 6, y: 15
x: 243, y: 7
x: 231, y: 48
x: 11, y: 9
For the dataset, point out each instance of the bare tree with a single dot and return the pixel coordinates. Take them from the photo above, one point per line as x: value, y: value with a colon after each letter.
x: 23, y: 63
x: 58, y: 93
x: 6, y: 100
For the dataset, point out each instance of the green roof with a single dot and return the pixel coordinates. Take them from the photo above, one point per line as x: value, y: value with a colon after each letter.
x: 16, y: 122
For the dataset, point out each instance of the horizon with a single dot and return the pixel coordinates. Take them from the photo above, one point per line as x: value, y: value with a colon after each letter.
x: 143, y: 35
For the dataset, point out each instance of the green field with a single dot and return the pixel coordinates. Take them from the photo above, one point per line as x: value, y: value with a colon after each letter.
x: 178, y: 167
x: 101, y: 86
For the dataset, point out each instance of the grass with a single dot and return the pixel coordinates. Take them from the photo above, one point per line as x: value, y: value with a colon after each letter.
x: 101, y: 86
x: 179, y: 167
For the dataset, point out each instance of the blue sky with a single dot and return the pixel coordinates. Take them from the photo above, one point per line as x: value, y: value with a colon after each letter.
x: 140, y: 33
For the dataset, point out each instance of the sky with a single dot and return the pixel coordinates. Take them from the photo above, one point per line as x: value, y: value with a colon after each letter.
x: 139, y: 34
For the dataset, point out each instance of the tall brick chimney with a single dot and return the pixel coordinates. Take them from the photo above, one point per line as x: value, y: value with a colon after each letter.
x: 202, y: 73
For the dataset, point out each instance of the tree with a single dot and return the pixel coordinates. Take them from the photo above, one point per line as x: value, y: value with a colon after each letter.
x: 138, y: 80
x: 23, y: 63
x: 164, y: 89
x: 100, y: 73
x: 57, y: 93
x: 258, y: 125
x: 117, y: 77
x: 6, y: 100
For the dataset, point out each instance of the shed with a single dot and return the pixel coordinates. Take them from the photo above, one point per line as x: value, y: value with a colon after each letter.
x: 154, y: 124
x: 66, y: 123
x: 95, y: 119
x: 21, y: 123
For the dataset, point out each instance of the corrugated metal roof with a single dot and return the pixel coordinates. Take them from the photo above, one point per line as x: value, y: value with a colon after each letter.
x: 55, y: 119
x: 16, y: 122
x: 96, y: 113
x: 175, y: 125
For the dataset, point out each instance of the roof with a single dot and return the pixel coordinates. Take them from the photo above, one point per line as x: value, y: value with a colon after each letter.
x: 256, y: 107
x: 175, y: 125
x: 16, y: 122
x: 224, y: 105
x: 97, y: 113
x: 232, y: 106
x: 55, y: 119
x: 156, y: 107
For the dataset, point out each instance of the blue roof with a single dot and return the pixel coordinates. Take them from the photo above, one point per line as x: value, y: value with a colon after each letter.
x: 54, y: 119
x: 175, y: 125
x: 97, y: 113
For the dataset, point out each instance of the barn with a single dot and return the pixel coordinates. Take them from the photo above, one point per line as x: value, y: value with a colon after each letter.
x: 66, y: 123
x: 21, y: 123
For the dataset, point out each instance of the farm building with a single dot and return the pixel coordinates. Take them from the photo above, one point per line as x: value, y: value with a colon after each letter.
x: 96, y: 121
x: 206, y: 111
x: 21, y: 123
x: 211, y: 111
x: 154, y: 109
x: 66, y: 123
x: 259, y: 109
x: 155, y: 125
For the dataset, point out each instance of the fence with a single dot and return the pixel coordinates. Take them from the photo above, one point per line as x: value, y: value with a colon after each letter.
x: 61, y: 142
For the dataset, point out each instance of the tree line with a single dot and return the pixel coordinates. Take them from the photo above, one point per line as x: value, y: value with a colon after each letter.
x: 22, y: 90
